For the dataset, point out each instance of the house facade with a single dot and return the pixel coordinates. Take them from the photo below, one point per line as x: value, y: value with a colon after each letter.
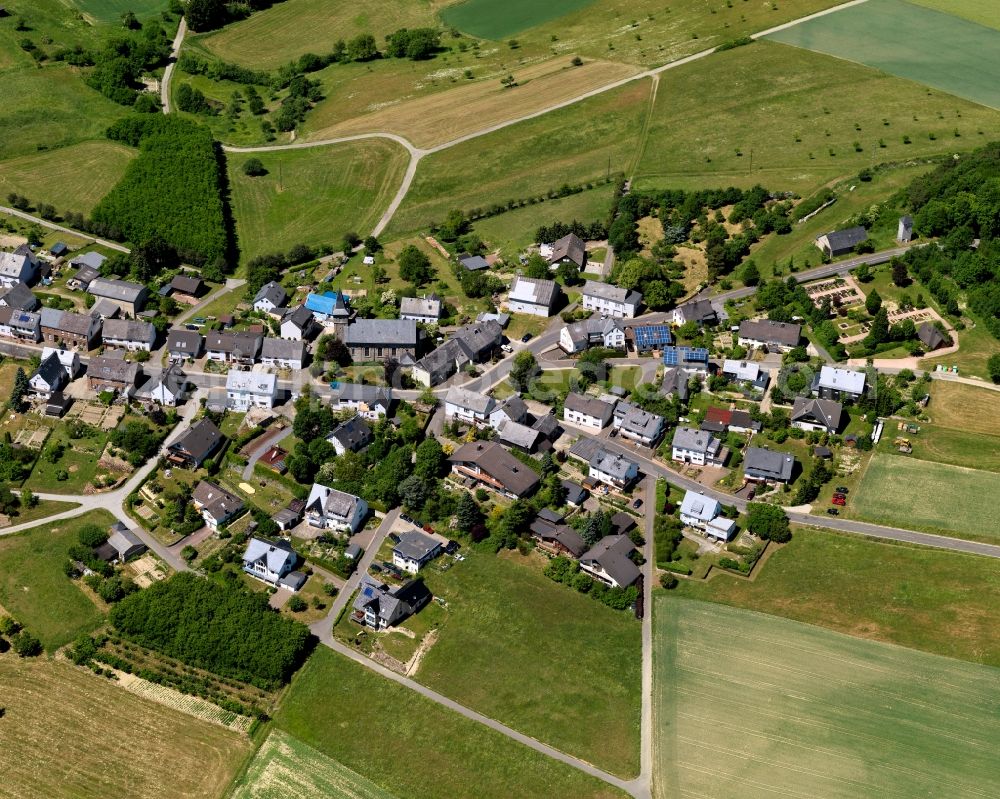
x: 273, y: 562
x: 19, y: 266
x: 49, y: 378
x: 269, y: 297
x: 20, y: 325
x: 580, y: 336
x: 534, y: 296
x: 216, y: 505
x: 279, y: 353
x: 425, y: 310
x: 589, y: 413
x: 240, y: 348
x: 196, y: 446
x: 380, y: 606
x: 762, y: 465
x: 817, y: 414
x: 246, y: 390
x: 636, y: 424
x: 611, y: 300
x: 128, y: 334
x: 414, y: 550
x: 697, y: 447
x: 76, y: 329
x: 488, y: 464
x: 468, y: 407
x: 833, y: 383
x: 470, y: 344
x: 298, y: 324
x: 128, y: 296
x: 773, y: 336
x: 370, y: 402
x: 329, y: 509
x: 381, y: 339
x: 701, y: 312
x: 184, y: 345
x: 610, y: 561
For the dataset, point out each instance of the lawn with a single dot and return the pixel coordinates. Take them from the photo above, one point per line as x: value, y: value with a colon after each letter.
x: 573, y: 145
x: 498, y: 19
x: 801, y: 118
x: 72, y: 178
x: 975, y: 346
x: 543, y: 659
x: 285, y: 768
x: 933, y: 600
x: 915, y: 494
x: 33, y: 587
x: 111, y: 10
x: 313, y: 196
x: 963, y: 407
x: 79, y: 462
x: 511, y: 232
x: 982, y: 11
x: 412, y: 746
x: 749, y: 705
x: 912, y: 42
x: 67, y: 732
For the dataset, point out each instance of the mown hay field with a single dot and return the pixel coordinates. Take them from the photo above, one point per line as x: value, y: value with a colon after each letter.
x: 748, y: 705
x: 912, y: 42
x: 67, y: 732
x: 985, y: 12
x: 498, y: 19
x: 922, y: 495
x: 285, y: 768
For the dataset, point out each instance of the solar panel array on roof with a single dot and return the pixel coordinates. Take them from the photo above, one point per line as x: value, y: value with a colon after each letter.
x: 678, y: 356
x: 650, y: 337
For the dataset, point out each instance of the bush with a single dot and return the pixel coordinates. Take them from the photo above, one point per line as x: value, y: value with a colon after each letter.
x: 668, y: 581
x: 26, y: 645
x: 297, y: 604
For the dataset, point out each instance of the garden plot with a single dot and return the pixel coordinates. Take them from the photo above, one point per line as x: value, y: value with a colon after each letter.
x: 192, y: 705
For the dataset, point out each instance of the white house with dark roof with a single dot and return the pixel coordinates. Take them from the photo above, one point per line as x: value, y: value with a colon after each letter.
x: 169, y: 389
x: 298, y: 324
x: 589, y: 413
x: 697, y: 447
x: 611, y: 300
x: 817, y: 414
x: 470, y: 344
x: 49, y: 377
x: 184, y: 344
x: 705, y: 514
x: 426, y: 309
x: 69, y: 359
x: 580, y: 336
x: 20, y: 325
x: 246, y: 390
x: 69, y: 327
x: 280, y: 353
x: 569, y: 249
x: 273, y: 562
x: 242, y: 348
x: 534, y: 296
x: 613, y: 469
x: 130, y: 334
x: 270, y: 296
x: 610, y: 561
x: 701, y: 312
x: 762, y: 465
x: 380, y: 606
x: 833, y: 383
x: 330, y: 509
x: 19, y: 297
x: 216, y: 505
x: 467, y: 406
x: 19, y: 266
x: 841, y: 242
x: 371, y: 402
x: 636, y: 424
x: 414, y: 550
x: 512, y: 409
x: 774, y: 336
x: 352, y: 435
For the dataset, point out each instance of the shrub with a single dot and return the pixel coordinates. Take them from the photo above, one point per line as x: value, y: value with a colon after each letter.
x: 297, y: 604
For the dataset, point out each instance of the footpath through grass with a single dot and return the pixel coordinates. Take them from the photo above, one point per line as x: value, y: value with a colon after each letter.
x: 913, y: 42
x: 941, y: 602
x: 539, y: 657
x: 414, y: 747
x: 34, y: 588
x: 748, y: 705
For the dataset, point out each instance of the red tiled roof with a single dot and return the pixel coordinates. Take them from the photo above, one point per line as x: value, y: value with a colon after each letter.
x: 721, y: 415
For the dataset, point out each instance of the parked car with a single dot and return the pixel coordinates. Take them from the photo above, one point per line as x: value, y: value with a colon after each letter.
x: 839, y: 496
x: 526, y: 338
x: 833, y: 511
x: 752, y: 493
x: 376, y: 568
x: 842, y: 490
x: 637, y: 504
x: 838, y: 501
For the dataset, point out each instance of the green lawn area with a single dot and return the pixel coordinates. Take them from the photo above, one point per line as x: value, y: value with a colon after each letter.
x: 413, y: 747
x: 313, y: 196
x: 952, y: 500
x: 112, y: 10
x: 498, y: 19
x: 928, y: 599
x: 79, y: 461
x: 42, y: 509
x: 975, y: 346
x: 802, y: 115
x: 791, y: 709
x: 285, y: 768
x: 513, y: 231
x: 33, y: 587
x: 915, y: 43
x: 982, y: 11
x: 544, y: 659
x: 572, y: 145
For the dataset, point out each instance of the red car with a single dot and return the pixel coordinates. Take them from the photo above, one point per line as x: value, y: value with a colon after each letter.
x: 839, y: 501
x: 839, y: 496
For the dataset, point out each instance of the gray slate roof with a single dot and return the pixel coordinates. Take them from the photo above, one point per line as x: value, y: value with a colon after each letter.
x: 826, y: 412
x: 845, y: 239
x: 184, y: 341
x: 272, y: 291
x: 569, y: 247
x: 282, y: 349
x: 470, y: 400
x: 121, y: 290
x: 415, y: 545
x: 128, y: 330
x: 612, y: 554
x: 591, y: 406
x: 760, y: 462
x: 392, y: 332
x: 768, y: 332
x: 354, y: 434
x: 694, y: 440
x: 611, y: 293
x: 19, y: 296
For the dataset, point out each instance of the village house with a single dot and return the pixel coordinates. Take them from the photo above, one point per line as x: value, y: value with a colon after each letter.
x: 470, y: 344
x: 833, y: 383
x: 610, y: 561
x: 469, y: 407
x: 19, y: 266
x: 488, y: 464
x: 381, y: 339
x: 701, y: 312
x: 274, y: 563
x: 533, y: 296
x: 741, y: 371
x: 611, y: 300
x: 77, y: 329
x: 931, y: 337
x: 129, y: 334
x: 604, y: 466
x: 697, y: 447
x: 20, y: 325
x: 216, y: 505
x: 512, y: 409
x: 69, y: 359
x: 129, y: 297
x: 645, y: 338
x: 841, y: 242
x: 772, y: 336
x: 196, y: 446
x: 370, y: 402
x: 589, y: 413
x: 556, y: 537
x: 331, y: 307
x: 88, y: 260
x: 576, y: 494
x: 767, y: 466
x: 183, y: 344
x: 122, y: 545
x: 20, y: 298
x: 184, y: 288
x: 169, y: 389
x: 298, y: 324
x: 636, y: 424
x: 721, y: 420
x: 49, y: 377
x: 675, y: 382
x: 426, y: 309
x: 705, y: 514
x: 580, y: 336
x: 111, y: 372
x: 817, y: 414
x: 239, y: 348
x: 279, y: 353
x: 270, y: 297
x: 380, y: 607
x: 693, y: 360
x: 329, y: 509
x: 414, y: 550
x: 570, y: 249
x: 352, y: 435
x: 246, y: 390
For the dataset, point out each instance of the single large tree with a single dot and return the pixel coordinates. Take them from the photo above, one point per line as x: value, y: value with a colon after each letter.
x: 523, y: 370
x: 21, y: 387
x: 414, y: 266
x: 873, y: 302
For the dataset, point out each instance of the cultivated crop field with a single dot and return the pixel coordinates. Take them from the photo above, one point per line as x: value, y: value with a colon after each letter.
x: 913, y: 42
x: 285, y: 768
x: 803, y: 118
x: 498, y: 19
x: 866, y: 588
x: 425, y: 750
x: 748, y: 705
x: 982, y: 11
x: 897, y: 490
x: 34, y: 588
x: 67, y: 732
x: 313, y: 196
x: 548, y: 661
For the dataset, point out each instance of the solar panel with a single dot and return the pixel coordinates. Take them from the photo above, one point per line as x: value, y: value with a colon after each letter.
x: 650, y: 337
x: 678, y: 356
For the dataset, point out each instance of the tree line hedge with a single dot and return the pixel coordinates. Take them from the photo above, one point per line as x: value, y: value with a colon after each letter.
x: 226, y: 630
x: 173, y: 191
